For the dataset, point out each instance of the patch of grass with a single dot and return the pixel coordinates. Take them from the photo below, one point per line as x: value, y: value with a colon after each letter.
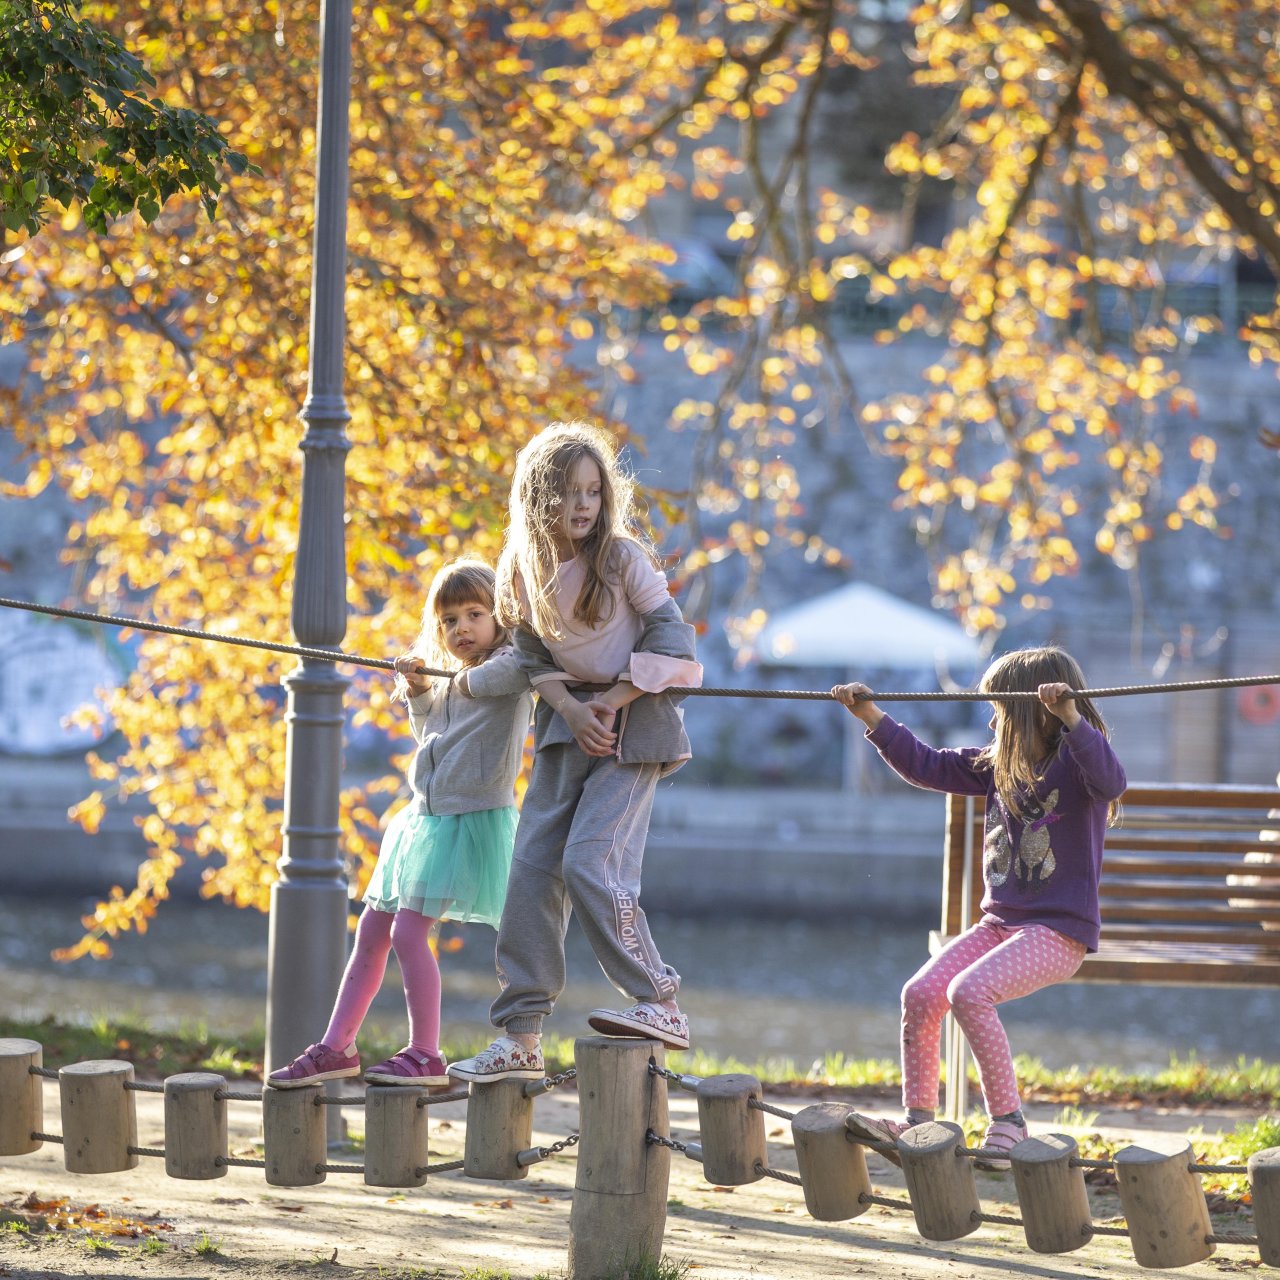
x: 153, y: 1244
x: 646, y: 1268
x: 207, y: 1247
x: 16, y: 1227
x: 1071, y: 1118
x: 1186, y: 1080
x: 96, y: 1244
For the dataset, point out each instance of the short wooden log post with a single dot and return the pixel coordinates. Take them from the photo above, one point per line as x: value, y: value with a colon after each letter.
x: 499, y: 1127
x: 940, y: 1181
x: 1164, y: 1205
x: 395, y: 1136
x: 1051, y: 1193
x: 619, y: 1209
x: 1264, y: 1181
x: 294, y: 1136
x: 833, y: 1169
x: 733, y: 1141
x: 195, y: 1126
x: 99, y: 1117
x: 21, y: 1096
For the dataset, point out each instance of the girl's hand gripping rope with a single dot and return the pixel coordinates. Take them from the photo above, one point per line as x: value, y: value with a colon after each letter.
x: 1058, y: 701
x: 409, y: 667
x: 857, y: 697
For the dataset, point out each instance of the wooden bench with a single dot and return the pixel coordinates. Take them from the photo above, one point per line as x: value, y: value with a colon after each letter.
x: 1190, y: 893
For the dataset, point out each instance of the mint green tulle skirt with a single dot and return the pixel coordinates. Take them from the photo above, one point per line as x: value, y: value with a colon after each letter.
x: 451, y: 867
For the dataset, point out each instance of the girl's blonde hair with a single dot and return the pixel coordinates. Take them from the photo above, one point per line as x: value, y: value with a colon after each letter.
x: 1024, y: 728
x: 457, y: 583
x: 539, y: 490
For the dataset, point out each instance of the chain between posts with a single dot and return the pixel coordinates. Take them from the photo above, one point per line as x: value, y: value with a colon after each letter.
x: 656, y: 1139
x: 688, y: 1083
x: 525, y: 1158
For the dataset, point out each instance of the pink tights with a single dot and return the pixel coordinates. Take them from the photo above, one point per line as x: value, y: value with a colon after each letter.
x: 979, y: 970
x: 376, y: 935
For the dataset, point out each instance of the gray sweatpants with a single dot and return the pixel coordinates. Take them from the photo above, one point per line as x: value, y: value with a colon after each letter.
x: 579, y: 846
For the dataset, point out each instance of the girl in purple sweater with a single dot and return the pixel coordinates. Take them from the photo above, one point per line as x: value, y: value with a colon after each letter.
x: 1051, y: 783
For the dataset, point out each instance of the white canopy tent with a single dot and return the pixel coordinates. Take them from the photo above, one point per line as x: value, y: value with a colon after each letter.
x: 860, y: 628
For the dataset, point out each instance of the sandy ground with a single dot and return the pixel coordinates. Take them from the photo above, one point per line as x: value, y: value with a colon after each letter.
x: 457, y: 1228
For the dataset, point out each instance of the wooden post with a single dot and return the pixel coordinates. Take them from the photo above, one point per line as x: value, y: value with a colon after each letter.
x: 1051, y: 1193
x: 21, y: 1096
x: 293, y: 1136
x: 1264, y: 1180
x: 395, y: 1136
x: 499, y: 1127
x: 619, y: 1209
x: 1164, y: 1205
x: 733, y: 1141
x: 833, y: 1169
x: 940, y: 1181
x: 195, y: 1126
x: 99, y: 1117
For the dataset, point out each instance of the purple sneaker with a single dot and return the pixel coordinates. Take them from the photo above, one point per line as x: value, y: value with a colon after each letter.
x: 409, y: 1066
x: 318, y: 1063
x: 881, y: 1135
x: 643, y: 1021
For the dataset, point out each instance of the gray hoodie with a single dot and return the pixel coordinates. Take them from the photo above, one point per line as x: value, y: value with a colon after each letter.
x: 470, y: 748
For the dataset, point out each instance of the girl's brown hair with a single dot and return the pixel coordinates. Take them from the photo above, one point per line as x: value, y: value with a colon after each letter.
x: 539, y: 490
x: 457, y: 583
x: 1026, y: 733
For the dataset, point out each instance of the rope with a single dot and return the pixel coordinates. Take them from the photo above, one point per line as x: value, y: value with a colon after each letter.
x: 146, y: 1151
x: 47, y: 1072
x: 1099, y: 1230
x: 765, y: 1172
x: 230, y: 1095
x: 429, y: 1099
x: 47, y: 1137
x: 758, y: 1104
x: 998, y: 1219
x: 339, y: 1168
x: 143, y: 1088
x: 1232, y: 1237
x: 886, y: 1202
x: 448, y: 1166
x: 813, y: 695
x: 239, y: 1163
x: 1219, y: 1168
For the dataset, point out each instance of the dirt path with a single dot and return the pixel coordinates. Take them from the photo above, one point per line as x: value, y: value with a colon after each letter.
x: 454, y: 1226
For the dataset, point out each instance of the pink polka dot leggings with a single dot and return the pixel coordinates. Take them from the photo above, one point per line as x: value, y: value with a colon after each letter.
x: 979, y: 970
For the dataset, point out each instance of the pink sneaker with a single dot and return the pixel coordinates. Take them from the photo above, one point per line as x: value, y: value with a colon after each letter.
x: 504, y: 1059
x: 318, y: 1063
x: 409, y: 1066
x: 880, y: 1134
x: 1001, y: 1137
x: 643, y: 1021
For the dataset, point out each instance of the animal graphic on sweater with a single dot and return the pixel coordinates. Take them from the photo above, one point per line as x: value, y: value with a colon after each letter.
x: 1036, y: 862
x: 997, y: 849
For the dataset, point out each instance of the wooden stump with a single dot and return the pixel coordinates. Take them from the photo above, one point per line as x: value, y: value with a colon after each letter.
x: 1264, y: 1180
x: 733, y: 1141
x: 1164, y: 1205
x: 195, y: 1126
x: 1051, y: 1193
x: 395, y: 1136
x: 940, y: 1182
x: 619, y: 1209
x: 294, y: 1129
x: 499, y: 1127
x: 833, y: 1169
x: 21, y: 1096
x: 99, y: 1117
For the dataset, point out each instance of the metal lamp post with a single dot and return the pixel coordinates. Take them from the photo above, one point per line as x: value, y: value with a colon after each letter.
x: 307, y: 939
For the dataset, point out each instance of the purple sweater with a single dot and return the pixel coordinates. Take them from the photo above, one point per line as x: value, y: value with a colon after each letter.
x: 1043, y: 868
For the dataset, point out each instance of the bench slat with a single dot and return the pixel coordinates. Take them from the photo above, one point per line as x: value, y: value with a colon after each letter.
x: 1195, y: 892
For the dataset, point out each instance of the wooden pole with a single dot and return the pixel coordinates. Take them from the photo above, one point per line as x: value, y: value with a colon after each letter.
x: 499, y: 1127
x: 1051, y: 1193
x: 195, y: 1126
x: 395, y: 1136
x: 21, y: 1096
x: 293, y: 1136
x: 1264, y: 1180
x: 833, y: 1169
x: 940, y: 1181
x: 1164, y: 1205
x: 619, y: 1209
x: 733, y: 1142
x: 99, y: 1117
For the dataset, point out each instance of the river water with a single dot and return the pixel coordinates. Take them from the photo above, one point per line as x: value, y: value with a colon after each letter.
x: 753, y: 990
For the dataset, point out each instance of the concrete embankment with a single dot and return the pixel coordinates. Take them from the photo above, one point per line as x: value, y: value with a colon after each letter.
x: 767, y: 852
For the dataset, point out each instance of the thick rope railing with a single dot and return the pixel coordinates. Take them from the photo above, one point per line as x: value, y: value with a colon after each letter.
x: 813, y: 695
